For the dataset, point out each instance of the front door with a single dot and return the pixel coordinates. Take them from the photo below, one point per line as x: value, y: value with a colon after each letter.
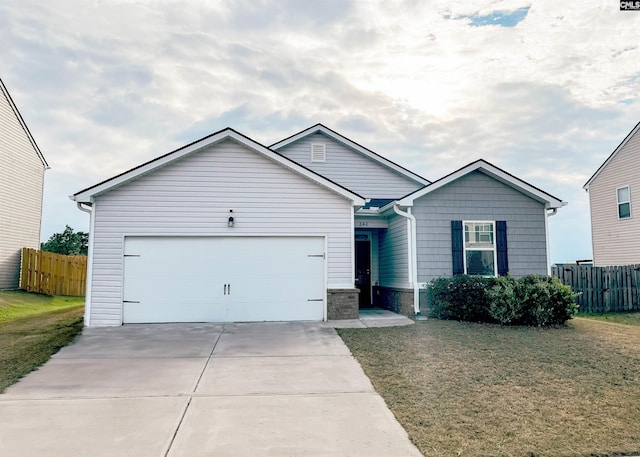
x: 363, y: 271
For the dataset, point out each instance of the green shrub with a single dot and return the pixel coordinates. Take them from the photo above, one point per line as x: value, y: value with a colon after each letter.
x: 460, y: 298
x: 548, y: 300
x: 530, y: 300
x: 506, y: 304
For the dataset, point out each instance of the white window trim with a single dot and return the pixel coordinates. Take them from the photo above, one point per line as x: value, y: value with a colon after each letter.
x: 324, y: 152
x: 494, y: 248
x: 622, y: 203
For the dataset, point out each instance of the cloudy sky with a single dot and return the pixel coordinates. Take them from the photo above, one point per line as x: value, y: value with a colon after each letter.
x: 543, y: 89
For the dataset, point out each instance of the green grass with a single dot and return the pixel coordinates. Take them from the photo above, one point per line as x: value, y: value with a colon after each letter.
x: 628, y: 318
x: 463, y: 389
x: 17, y: 304
x: 32, y: 329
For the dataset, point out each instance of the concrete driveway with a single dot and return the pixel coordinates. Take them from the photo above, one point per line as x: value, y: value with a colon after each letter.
x: 277, y: 389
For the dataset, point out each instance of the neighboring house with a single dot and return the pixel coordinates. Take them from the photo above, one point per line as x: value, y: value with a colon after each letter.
x: 22, y: 167
x: 312, y: 228
x: 614, y: 200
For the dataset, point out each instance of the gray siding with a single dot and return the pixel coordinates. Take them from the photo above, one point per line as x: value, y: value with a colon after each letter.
x: 616, y: 241
x: 393, y: 254
x: 477, y: 196
x: 351, y: 169
x: 193, y: 196
x: 21, y: 180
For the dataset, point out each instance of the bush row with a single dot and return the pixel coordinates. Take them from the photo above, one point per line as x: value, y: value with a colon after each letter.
x: 530, y: 300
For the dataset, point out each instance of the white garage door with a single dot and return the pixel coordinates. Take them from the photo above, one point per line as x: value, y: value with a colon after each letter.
x: 223, y: 279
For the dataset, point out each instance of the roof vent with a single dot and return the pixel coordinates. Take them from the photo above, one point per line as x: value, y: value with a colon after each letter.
x: 318, y: 152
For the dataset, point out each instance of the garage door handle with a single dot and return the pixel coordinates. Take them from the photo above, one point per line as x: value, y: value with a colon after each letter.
x: 227, y: 289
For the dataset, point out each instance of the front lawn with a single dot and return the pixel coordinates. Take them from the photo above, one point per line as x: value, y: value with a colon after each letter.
x: 463, y: 389
x: 15, y: 304
x: 629, y: 318
x: 32, y: 329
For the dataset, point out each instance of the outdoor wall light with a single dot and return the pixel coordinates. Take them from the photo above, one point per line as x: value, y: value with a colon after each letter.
x: 230, y: 221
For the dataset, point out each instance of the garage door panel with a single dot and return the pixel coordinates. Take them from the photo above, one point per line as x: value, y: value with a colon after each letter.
x: 159, y: 312
x: 217, y: 279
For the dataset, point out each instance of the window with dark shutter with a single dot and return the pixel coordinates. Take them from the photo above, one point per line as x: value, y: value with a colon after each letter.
x: 479, y: 248
x: 501, y: 247
x: 457, y: 248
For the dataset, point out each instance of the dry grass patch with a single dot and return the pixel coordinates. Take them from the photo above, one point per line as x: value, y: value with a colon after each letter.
x: 462, y: 389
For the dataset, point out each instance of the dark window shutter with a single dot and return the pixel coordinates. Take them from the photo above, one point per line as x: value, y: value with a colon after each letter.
x: 501, y: 246
x: 457, y: 247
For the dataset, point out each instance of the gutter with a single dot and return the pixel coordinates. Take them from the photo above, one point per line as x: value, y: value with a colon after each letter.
x: 413, y: 255
x: 82, y: 208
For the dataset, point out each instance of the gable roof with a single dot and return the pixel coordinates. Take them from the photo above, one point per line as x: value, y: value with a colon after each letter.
x: 613, y: 154
x: 23, y: 125
x: 319, y: 128
x: 85, y: 195
x: 491, y: 170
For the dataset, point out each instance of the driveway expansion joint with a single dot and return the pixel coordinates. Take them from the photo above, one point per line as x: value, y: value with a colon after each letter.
x: 194, y: 391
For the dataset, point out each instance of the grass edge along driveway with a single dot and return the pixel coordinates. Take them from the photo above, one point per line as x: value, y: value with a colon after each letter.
x: 463, y: 389
x: 33, y: 328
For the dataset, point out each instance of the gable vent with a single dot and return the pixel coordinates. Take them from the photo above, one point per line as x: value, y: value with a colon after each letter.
x: 318, y: 152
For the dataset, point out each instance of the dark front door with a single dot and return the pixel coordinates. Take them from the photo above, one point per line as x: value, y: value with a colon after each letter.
x: 363, y: 272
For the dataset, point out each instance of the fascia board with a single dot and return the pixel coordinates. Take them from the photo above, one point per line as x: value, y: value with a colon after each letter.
x: 353, y: 145
x: 500, y: 175
x: 23, y: 124
x: 612, y: 155
x: 87, y: 194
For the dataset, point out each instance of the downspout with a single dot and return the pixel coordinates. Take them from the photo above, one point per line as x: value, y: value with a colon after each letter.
x: 548, y: 213
x: 87, y: 295
x: 412, y: 254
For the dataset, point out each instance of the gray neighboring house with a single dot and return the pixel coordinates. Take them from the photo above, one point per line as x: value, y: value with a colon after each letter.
x: 614, y: 197
x: 22, y: 168
x: 313, y: 227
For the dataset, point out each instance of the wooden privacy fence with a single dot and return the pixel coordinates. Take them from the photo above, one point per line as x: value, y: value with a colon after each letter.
x: 602, y: 289
x: 53, y: 274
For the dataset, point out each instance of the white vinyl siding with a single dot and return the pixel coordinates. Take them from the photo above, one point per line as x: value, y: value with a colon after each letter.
x: 350, y: 169
x: 393, y: 254
x: 21, y: 181
x: 193, y: 196
x: 615, y: 240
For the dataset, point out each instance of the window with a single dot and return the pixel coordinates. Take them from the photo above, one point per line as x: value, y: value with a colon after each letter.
x: 318, y: 152
x: 624, y: 202
x: 479, y: 248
